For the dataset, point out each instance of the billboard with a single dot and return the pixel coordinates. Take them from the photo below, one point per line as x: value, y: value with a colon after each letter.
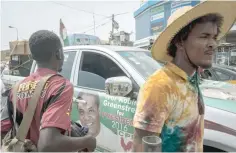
x: 177, y: 4
x: 180, y: 3
x: 157, y: 19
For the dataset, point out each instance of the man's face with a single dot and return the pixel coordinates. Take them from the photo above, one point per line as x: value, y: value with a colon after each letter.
x: 89, y: 114
x: 201, y: 44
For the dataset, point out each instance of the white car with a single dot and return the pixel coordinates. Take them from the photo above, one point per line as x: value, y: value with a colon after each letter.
x: 114, y: 75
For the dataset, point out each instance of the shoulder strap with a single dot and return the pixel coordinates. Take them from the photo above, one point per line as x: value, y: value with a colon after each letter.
x: 32, y: 104
x: 14, y: 94
x: 52, y: 99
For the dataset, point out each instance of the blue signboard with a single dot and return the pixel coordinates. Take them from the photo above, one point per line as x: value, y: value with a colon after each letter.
x: 147, y: 5
x: 180, y: 3
x: 157, y: 19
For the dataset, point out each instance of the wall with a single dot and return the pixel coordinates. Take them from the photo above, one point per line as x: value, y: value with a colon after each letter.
x: 5, y: 55
x: 142, y: 25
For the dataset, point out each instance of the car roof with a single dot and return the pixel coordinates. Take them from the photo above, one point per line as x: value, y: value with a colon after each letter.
x: 224, y: 66
x: 105, y: 47
x: 224, y: 69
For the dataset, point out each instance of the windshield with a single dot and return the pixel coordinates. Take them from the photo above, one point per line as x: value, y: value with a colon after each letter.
x: 141, y: 61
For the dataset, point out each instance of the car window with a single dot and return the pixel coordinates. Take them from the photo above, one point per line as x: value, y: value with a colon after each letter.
x: 69, y: 58
x: 222, y: 76
x: 141, y: 61
x: 95, y: 69
x: 207, y: 75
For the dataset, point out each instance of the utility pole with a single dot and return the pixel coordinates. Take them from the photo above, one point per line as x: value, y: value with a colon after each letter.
x: 94, y: 24
x: 112, y: 28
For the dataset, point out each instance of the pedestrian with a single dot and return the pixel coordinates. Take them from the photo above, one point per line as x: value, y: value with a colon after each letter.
x: 52, y: 116
x: 170, y: 104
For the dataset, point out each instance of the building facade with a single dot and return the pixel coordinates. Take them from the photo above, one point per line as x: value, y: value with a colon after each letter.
x: 5, y: 55
x: 121, y: 38
x: 151, y: 19
x: 83, y: 39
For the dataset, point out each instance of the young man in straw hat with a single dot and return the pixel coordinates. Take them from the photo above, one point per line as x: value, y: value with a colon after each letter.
x: 170, y: 104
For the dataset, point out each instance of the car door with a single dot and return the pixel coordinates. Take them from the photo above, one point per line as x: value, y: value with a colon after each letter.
x: 222, y: 75
x: 109, y: 118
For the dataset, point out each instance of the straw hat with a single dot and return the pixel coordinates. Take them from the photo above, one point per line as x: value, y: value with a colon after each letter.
x: 185, y: 15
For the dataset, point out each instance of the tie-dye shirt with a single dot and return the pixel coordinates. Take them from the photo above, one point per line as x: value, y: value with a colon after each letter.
x: 168, y: 105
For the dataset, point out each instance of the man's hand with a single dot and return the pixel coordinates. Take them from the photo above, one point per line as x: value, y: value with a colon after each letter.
x: 51, y: 140
x: 91, y: 143
x: 138, y: 135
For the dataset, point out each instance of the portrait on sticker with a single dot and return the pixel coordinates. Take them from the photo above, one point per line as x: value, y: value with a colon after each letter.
x: 88, y: 111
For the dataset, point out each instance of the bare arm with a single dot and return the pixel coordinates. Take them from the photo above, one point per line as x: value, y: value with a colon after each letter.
x: 138, y: 135
x: 56, y: 119
x: 51, y: 140
x: 151, y: 112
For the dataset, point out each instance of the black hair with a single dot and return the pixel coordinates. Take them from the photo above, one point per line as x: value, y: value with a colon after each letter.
x: 43, y: 44
x: 95, y: 96
x: 184, y: 32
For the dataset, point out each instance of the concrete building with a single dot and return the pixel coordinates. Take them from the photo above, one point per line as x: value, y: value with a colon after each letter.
x: 121, y: 38
x: 5, y: 55
x: 151, y: 19
x: 83, y: 39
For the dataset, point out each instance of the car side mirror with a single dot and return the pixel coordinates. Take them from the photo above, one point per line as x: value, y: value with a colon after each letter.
x: 118, y: 86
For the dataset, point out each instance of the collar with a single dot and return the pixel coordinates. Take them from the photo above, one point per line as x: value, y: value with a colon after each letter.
x: 45, y: 71
x: 178, y: 71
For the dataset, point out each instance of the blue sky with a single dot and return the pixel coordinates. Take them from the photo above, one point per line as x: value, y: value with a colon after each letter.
x: 30, y: 16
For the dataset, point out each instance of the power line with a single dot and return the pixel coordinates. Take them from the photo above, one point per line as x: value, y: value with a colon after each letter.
x: 97, y: 26
x: 122, y: 13
x: 78, y: 9
x: 92, y: 25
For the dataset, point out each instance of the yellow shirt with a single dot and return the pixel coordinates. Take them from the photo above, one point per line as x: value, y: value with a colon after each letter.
x: 168, y: 104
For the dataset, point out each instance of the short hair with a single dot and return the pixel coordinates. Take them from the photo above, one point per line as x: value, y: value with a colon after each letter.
x: 43, y: 44
x: 95, y: 96
x: 184, y: 32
